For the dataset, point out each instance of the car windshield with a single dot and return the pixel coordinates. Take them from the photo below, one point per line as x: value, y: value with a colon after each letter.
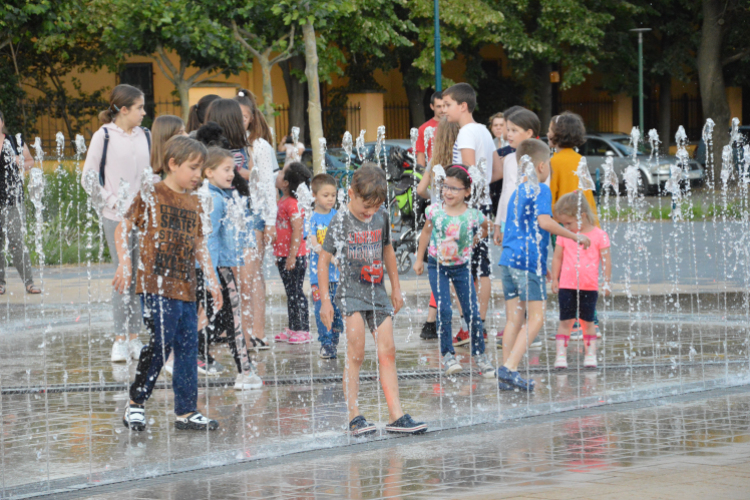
x: 623, y: 146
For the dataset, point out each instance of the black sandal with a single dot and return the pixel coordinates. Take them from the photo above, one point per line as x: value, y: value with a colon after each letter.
x: 32, y: 289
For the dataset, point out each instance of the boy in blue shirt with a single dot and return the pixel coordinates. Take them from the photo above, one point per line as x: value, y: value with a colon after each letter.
x: 523, y: 264
x: 324, y: 190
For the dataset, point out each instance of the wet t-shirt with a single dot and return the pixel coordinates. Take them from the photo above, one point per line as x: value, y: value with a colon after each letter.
x: 360, y: 258
x: 167, y: 248
x: 452, y: 237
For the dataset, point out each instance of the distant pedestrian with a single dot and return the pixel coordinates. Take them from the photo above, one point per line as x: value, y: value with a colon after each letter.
x: 424, y: 151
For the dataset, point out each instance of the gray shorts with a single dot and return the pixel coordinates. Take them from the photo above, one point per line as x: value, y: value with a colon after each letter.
x: 373, y: 319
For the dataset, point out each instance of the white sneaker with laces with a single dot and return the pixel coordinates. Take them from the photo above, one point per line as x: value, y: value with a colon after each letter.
x: 450, y: 364
x: 135, y: 346
x: 120, y: 352
x: 249, y: 380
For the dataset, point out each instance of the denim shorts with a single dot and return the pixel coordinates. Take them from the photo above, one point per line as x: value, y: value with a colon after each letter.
x: 525, y: 285
x: 258, y: 223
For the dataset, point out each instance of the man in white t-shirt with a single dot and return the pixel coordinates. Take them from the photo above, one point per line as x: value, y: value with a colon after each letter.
x: 474, y: 142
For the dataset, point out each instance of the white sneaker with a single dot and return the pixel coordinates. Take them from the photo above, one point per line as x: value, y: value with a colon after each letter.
x: 561, y: 361
x: 120, y: 352
x: 598, y: 332
x: 589, y: 361
x: 536, y: 344
x: 135, y: 346
x: 450, y: 364
x: 169, y: 365
x: 247, y: 381
x: 485, y: 365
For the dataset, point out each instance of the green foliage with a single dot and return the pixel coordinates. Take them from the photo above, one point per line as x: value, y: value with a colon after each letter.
x: 11, y: 97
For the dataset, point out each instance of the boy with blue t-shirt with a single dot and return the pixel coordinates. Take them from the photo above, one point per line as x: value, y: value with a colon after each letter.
x: 324, y: 190
x: 523, y: 264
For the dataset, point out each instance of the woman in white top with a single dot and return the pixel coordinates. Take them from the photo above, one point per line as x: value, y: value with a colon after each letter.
x: 126, y: 157
x: 292, y: 151
x: 262, y: 165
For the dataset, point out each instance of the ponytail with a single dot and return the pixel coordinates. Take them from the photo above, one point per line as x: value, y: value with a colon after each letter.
x: 197, y: 116
x: 123, y: 96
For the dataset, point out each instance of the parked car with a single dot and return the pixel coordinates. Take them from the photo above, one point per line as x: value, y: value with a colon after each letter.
x: 653, y: 175
x: 335, y: 158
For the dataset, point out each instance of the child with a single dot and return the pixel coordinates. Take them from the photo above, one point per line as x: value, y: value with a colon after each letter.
x: 324, y: 190
x: 291, y: 253
x: 575, y: 276
x: 523, y: 264
x: 164, y: 128
x: 360, y: 236
x: 170, y: 242
x: 474, y: 143
x: 452, y: 230
x: 223, y: 246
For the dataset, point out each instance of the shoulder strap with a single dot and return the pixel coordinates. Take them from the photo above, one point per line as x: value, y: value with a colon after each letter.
x: 103, y: 161
x: 148, y: 138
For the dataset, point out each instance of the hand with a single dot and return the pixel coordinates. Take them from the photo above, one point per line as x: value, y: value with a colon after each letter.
x: 419, y: 267
x: 215, y: 291
x: 583, y: 240
x: 555, y: 286
x: 326, y: 312
x: 270, y: 234
x: 122, y: 277
x: 290, y: 263
x: 498, y: 237
x: 548, y: 276
x: 607, y: 289
x: 397, y: 300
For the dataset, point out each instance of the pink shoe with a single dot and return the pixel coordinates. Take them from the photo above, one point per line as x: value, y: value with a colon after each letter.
x: 300, y: 338
x: 284, y: 336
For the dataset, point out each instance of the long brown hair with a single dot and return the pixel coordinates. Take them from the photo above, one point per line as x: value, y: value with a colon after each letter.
x: 442, y: 144
x: 164, y: 128
x: 197, y: 116
x: 227, y: 113
x: 123, y: 96
x: 258, y: 126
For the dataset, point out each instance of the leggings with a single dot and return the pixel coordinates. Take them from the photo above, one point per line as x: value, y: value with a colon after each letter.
x: 299, y: 316
x: 227, y: 319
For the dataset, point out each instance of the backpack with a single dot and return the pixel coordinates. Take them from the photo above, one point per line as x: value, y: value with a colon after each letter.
x: 103, y: 162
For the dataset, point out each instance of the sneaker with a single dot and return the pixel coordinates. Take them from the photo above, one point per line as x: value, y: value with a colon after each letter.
x: 514, y: 379
x: 429, y: 331
x: 261, y: 344
x: 484, y: 365
x: 327, y: 351
x: 576, y: 332
x: 598, y: 332
x: 208, y: 367
x: 120, y: 352
x: 361, y: 427
x: 450, y: 364
x: 461, y: 338
x: 196, y: 422
x: 589, y: 361
x: 536, y: 344
x: 135, y: 417
x: 135, y: 346
x: 249, y: 380
x: 283, y: 336
x: 406, y: 425
x: 169, y: 365
x: 214, y: 367
x: 300, y: 338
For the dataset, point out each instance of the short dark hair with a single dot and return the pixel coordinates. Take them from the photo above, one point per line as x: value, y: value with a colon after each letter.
x: 463, y: 93
x: 511, y: 110
x: 182, y: 149
x: 535, y: 149
x: 321, y: 180
x: 460, y: 172
x: 296, y: 173
x: 369, y: 183
x: 526, y: 119
x: 568, y: 130
x: 436, y: 95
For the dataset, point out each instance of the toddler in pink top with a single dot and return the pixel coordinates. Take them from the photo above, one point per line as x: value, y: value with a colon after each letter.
x: 575, y: 275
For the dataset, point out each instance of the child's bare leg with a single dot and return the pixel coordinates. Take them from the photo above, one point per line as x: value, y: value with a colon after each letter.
x: 514, y: 316
x: 484, y: 293
x: 563, y: 330
x: 387, y: 368
x: 355, y: 354
x: 589, y: 336
x: 526, y: 336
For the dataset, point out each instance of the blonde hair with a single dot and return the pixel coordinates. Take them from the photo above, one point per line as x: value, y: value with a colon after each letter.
x: 214, y: 158
x: 569, y: 205
x: 164, y: 128
x: 442, y: 145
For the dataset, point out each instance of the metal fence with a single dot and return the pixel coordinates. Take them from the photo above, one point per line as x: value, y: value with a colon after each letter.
x: 336, y: 121
x: 598, y: 116
x: 684, y: 110
x: 397, y: 120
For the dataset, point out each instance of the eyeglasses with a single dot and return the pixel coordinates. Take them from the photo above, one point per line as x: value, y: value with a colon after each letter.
x: 452, y: 189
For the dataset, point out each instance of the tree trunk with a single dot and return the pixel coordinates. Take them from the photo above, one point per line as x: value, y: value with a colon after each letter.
x: 544, y: 90
x: 415, y: 96
x: 711, y: 76
x: 183, y: 89
x: 268, y: 111
x: 314, y: 109
x: 665, y: 112
x: 295, y: 91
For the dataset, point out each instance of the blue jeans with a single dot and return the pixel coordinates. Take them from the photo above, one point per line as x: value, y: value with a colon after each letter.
x: 326, y: 336
x: 440, y: 279
x: 172, y: 324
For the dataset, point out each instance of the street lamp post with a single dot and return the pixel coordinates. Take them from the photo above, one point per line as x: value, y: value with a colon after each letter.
x: 438, y: 64
x: 640, y: 32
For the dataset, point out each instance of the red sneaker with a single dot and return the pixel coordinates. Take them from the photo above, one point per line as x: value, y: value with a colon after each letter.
x: 462, y: 338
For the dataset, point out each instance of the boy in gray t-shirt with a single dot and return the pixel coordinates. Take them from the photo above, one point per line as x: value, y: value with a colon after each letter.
x: 359, y: 235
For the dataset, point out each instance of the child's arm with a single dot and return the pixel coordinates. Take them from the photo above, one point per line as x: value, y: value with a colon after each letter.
x: 497, y: 167
x: 548, y: 224
x: 468, y: 157
x: 312, y: 243
x: 424, y: 240
x: 326, y: 308
x: 606, y: 257
x: 212, y: 282
x: 484, y: 231
x: 297, y: 224
x: 424, y: 184
x: 124, y: 270
x: 556, y: 268
x: 391, y: 265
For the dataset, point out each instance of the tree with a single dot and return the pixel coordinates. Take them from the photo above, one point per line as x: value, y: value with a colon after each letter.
x: 156, y: 28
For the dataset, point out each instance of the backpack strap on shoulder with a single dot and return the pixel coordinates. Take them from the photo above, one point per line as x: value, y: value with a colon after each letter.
x: 103, y: 161
x: 148, y: 138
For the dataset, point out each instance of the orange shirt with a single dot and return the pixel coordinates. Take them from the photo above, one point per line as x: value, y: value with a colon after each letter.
x: 564, y: 180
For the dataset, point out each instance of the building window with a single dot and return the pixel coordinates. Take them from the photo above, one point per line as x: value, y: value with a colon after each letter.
x: 141, y: 75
